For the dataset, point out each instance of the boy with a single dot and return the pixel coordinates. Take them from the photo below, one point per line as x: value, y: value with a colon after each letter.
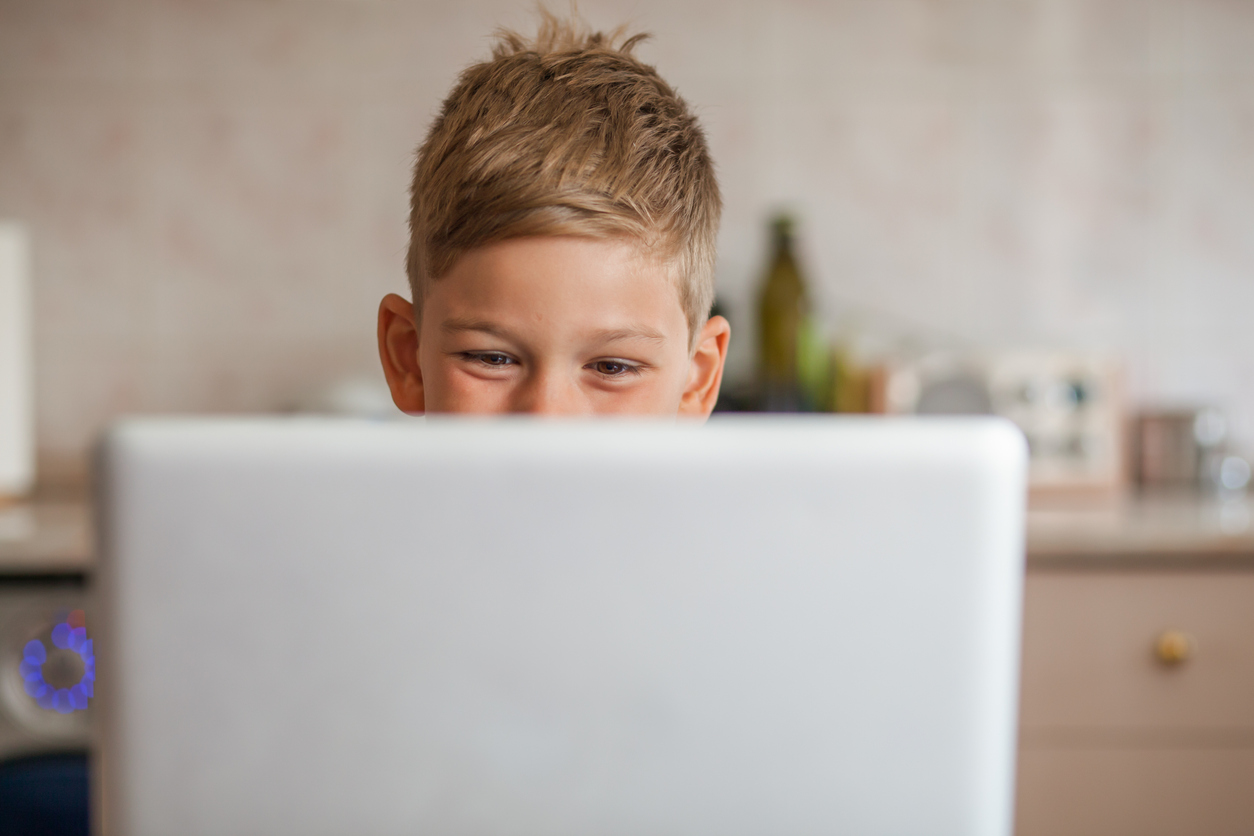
x: 562, y: 233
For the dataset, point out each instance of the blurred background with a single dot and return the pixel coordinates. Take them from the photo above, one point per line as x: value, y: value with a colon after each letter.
x: 215, y: 192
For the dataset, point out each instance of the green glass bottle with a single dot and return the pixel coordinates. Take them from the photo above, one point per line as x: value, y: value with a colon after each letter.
x: 783, y: 326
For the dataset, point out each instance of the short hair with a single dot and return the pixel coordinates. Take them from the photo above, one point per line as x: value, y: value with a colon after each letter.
x: 566, y: 134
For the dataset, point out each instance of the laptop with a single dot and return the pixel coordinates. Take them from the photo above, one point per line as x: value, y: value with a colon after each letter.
x: 763, y: 625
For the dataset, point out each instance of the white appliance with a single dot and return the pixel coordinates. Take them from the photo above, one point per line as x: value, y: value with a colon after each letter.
x: 763, y: 625
x: 17, y: 443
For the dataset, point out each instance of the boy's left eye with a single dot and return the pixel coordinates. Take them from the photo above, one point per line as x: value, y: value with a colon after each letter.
x: 614, y: 368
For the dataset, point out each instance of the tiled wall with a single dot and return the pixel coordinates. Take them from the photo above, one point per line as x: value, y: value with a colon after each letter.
x: 216, y: 188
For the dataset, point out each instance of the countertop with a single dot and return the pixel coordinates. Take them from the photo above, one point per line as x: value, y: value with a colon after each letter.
x: 53, y: 536
x: 46, y: 537
x: 1163, y: 528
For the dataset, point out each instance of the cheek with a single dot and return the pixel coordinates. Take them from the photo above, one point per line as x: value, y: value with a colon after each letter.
x: 451, y: 389
x: 445, y: 387
x: 660, y: 395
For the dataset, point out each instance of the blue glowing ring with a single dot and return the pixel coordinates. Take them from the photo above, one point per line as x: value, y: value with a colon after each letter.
x: 34, y: 655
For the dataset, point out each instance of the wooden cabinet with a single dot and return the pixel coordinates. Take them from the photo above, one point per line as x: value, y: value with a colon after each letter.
x: 1127, y: 788
x: 1117, y: 735
x: 1091, y: 662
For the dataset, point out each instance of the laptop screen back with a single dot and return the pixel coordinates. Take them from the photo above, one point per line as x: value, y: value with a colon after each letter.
x: 757, y: 626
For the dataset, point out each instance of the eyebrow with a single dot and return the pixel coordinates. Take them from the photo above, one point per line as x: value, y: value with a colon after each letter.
x: 633, y: 333
x: 637, y: 332
x: 483, y: 326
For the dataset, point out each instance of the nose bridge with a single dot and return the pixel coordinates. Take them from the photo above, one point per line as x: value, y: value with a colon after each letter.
x: 549, y: 391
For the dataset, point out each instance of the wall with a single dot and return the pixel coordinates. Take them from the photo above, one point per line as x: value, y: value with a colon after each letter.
x: 216, y: 189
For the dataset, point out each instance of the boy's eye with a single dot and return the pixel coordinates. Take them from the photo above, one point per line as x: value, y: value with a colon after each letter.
x: 489, y: 358
x: 613, y: 368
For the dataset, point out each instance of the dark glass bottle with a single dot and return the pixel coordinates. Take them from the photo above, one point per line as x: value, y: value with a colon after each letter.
x: 783, y: 317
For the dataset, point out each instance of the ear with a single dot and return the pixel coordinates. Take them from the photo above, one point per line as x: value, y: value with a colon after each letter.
x: 705, y: 373
x: 398, y: 350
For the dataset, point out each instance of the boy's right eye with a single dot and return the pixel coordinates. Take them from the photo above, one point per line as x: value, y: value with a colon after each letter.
x: 489, y: 358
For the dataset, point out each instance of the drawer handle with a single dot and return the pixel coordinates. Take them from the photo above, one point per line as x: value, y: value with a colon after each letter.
x: 1174, y: 647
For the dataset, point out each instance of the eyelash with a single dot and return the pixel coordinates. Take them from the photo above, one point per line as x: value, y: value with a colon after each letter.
x: 627, y: 368
x: 482, y: 358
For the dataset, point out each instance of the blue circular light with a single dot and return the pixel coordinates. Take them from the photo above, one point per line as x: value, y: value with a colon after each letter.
x: 35, y: 652
x: 61, y: 635
x: 34, y: 655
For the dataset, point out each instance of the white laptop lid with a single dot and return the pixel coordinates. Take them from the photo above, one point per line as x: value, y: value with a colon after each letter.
x: 758, y: 626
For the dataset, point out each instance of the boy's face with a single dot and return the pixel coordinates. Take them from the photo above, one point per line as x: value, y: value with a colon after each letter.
x: 551, y: 325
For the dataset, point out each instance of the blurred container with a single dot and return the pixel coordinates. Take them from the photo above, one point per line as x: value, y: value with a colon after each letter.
x: 1187, y: 448
x: 1166, y: 451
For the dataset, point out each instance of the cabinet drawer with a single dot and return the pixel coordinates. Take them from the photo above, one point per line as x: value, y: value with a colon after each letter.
x: 1089, y: 651
x: 1135, y: 792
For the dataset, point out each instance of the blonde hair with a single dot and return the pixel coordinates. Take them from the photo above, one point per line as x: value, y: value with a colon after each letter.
x: 566, y: 134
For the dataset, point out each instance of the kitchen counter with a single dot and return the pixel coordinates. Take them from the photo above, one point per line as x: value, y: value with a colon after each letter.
x: 54, y: 536
x: 1156, y: 528
x: 46, y: 537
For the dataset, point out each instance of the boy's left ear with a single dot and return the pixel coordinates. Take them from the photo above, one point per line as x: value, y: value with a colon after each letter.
x: 705, y: 372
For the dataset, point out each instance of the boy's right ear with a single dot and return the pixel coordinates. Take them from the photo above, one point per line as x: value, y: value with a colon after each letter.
x: 398, y: 351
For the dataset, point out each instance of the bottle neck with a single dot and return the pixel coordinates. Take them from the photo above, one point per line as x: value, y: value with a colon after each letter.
x: 783, y: 242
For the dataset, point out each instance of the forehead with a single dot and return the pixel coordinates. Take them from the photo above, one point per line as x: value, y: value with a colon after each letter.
x: 560, y: 281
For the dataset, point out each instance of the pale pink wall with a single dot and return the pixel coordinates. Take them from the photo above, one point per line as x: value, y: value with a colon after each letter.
x: 216, y: 188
